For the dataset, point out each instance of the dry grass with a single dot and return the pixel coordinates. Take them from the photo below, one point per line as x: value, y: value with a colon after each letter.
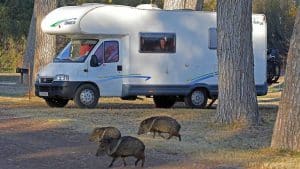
x: 204, y: 144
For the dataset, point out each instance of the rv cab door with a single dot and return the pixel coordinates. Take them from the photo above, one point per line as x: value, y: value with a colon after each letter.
x: 107, y: 74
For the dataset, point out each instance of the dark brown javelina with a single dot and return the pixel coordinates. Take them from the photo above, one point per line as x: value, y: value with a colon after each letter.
x: 123, y: 147
x: 160, y: 124
x: 100, y: 133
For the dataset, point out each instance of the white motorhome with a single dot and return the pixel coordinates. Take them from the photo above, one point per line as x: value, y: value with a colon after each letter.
x: 127, y: 52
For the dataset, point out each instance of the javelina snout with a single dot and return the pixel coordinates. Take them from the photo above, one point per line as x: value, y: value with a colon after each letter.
x: 146, y: 125
x: 160, y: 124
x: 123, y: 147
x: 100, y: 133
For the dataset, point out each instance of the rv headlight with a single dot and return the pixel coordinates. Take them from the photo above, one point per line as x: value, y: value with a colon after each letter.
x: 61, y: 77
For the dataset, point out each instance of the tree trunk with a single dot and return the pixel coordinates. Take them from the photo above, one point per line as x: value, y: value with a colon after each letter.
x: 286, y: 133
x: 237, y: 93
x: 183, y: 4
x: 30, y: 48
x: 45, y: 44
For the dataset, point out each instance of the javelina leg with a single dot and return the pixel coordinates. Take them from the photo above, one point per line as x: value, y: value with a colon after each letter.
x: 140, y: 157
x: 159, y: 133
x: 112, y: 162
x: 170, y: 136
x: 143, y: 160
x: 178, y: 135
x: 136, y: 162
x: 153, y: 134
x: 124, y: 162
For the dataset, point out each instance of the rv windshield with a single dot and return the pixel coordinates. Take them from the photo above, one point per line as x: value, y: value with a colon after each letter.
x: 76, y: 51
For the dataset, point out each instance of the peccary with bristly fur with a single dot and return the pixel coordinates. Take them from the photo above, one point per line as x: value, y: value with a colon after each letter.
x: 160, y: 124
x: 123, y: 147
x: 100, y: 133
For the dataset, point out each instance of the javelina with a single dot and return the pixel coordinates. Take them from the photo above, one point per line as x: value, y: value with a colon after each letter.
x: 123, y: 147
x: 160, y: 124
x: 100, y: 133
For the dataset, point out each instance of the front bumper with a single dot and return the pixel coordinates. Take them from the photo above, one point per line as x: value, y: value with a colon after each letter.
x: 56, y: 89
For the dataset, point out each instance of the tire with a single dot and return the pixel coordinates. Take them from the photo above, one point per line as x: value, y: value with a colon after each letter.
x: 164, y: 101
x: 273, y: 70
x: 196, y: 99
x: 86, y: 96
x: 55, y: 102
x: 276, y: 73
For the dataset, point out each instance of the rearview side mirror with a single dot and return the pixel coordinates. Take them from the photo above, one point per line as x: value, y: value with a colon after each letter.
x: 94, y: 61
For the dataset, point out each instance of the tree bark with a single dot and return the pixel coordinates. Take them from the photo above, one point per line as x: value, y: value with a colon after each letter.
x: 30, y: 48
x: 45, y: 44
x: 237, y: 93
x: 183, y: 4
x: 286, y: 134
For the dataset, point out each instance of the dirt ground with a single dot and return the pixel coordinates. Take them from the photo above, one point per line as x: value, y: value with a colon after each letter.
x: 33, y: 135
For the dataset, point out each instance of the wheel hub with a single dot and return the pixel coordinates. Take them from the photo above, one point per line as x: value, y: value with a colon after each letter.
x: 87, y: 96
x: 197, y: 98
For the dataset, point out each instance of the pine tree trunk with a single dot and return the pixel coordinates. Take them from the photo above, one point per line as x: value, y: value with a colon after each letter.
x: 45, y: 44
x: 183, y: 4
x: 286, y: 133
x: 237, y: 93
x: 30, y: 48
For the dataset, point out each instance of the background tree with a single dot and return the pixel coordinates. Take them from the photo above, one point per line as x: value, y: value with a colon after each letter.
x: 210, y: 5
x: 280, y: 16
x: 183, y: 4
x: 286, y: 133
x: 237, y: 93
x: 45, y: 45
x: 30, y: 49
x: 15, y: 19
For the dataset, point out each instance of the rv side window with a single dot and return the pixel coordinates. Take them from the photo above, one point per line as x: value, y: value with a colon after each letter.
x: 213, y: 39
x: 157, y: 42
x: 111, y: 51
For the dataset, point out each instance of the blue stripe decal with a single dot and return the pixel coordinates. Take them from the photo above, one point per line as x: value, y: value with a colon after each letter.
x: 103, y: 79
x: 203, y: 77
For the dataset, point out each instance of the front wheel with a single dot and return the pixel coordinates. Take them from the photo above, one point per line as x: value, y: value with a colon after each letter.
x: 86, y: 96
x: 196, y: 99
x: 55, y: 102
x: 164, y: 101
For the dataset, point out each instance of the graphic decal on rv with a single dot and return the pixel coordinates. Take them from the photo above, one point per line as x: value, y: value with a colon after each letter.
x: 66, y: 22
x: 203, y: 77
x: 107, y: 78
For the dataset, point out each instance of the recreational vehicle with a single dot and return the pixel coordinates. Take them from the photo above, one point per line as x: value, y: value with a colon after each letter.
x: 122, y: 51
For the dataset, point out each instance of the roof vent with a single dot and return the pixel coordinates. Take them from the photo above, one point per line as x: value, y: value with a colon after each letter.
x: 89, y: 4
x: 148, y: 6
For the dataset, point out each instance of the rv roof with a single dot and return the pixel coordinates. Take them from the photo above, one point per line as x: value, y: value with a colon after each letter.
x: 100, y: 19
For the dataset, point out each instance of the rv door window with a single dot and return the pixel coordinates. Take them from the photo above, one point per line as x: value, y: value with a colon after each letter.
x: 157, y: 42
x: 108, y: 52
x: 111, y: 53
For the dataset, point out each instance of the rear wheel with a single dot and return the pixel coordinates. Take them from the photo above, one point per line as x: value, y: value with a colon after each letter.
x: 273, y: 70
x: 196, y: 99
x: 164, y: 101
x: 276, y: 73
x: 86, y: 96
x: 55, y: 102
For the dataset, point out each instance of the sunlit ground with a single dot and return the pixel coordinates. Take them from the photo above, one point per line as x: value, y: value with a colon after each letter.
x: 204, y: 143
